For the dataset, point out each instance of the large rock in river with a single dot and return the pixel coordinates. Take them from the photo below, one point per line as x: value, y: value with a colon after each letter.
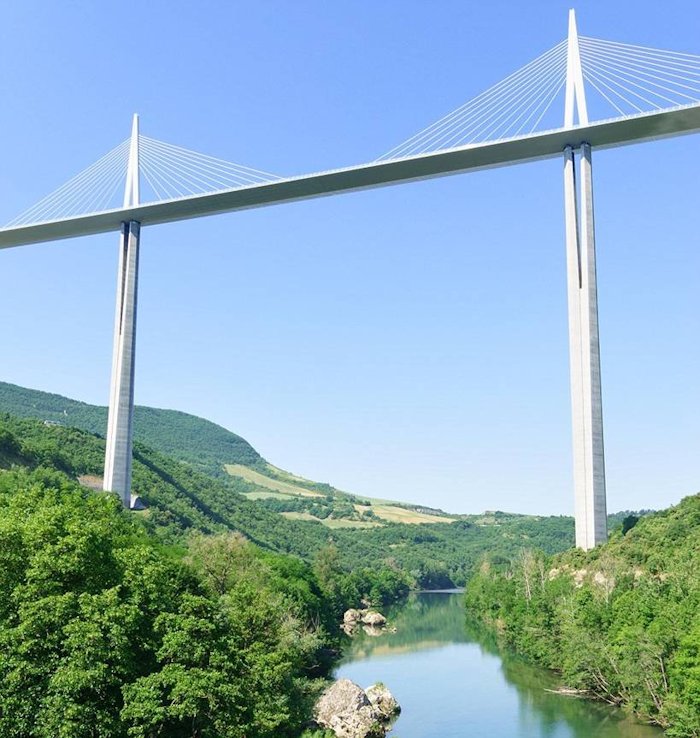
x: 383, y: 701
x: 375, y: 619
x: 346, y: 710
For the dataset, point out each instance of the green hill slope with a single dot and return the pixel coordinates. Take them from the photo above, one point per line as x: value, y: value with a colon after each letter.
x: 181, y: 499
x: 219, y: 453
x: 199, y: 442
x: 621, y: 622
x: 178, y: 497
x: 106, y: 632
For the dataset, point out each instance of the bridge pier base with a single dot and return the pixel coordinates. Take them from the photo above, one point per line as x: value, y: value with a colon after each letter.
x: 584, y: 353
x: 117, y: 477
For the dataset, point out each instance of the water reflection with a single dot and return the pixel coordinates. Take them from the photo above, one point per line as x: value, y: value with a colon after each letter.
x: 451, y: 680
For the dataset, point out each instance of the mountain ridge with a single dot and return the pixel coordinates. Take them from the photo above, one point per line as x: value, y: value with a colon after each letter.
x: 218, y: 452
x: 229, y: 458
x: 25, y: 402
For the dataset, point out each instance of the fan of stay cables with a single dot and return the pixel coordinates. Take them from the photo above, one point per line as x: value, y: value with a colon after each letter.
x: 623, y: 80
x: 167, y: 172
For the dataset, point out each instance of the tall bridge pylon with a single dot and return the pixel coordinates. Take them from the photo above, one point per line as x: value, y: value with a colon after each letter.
x: 584, y: 344
x: 652, y: 94
x: 120, y: 419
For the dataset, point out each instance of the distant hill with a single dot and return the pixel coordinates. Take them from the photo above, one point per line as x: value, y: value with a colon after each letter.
x: 199, y: 442
x: 219, y: 453
x: 181, y: 499
x: 228, y: 458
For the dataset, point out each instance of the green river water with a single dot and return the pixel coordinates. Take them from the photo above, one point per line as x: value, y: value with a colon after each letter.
x: 453, y: 682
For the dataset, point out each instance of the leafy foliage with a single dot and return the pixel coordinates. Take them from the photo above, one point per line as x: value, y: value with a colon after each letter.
x: 621, y: 622
x: 104, y: 633
x: 181, y: 499
x: 203, y: 444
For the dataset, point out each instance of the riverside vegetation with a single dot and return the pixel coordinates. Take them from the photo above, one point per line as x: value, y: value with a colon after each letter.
x: 621, y: 622
x: 204, y: 615
x: 207, y: 614
x: 105, y: 633
x: 113, y: 628
x: 180, y: 464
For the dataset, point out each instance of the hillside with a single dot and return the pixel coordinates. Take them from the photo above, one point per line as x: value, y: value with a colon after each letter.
x: 621, y: 622
x: 181, y: 499
x: 199, y: 442
x: 219, y: 453
x: 105, y: 632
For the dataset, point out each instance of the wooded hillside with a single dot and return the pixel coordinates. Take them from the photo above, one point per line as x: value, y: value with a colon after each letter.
x: 621, y: 622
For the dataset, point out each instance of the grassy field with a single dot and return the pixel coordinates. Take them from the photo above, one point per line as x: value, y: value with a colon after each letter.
x: 284, y: 476
x: 331, y: 522
x: 299, y: 516
x: 275, y: 485
x: 394, y: 514
x: 283, y: 485
x: 267, y: 495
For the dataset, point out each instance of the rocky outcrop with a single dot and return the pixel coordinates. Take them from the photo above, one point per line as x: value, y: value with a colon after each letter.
x: 373, y: 618
x: 352, y: 616
x: 351, y: 619
x: 383, y: 701
x: 372, y: 621
x: 345, y: 709
x: 350, y: 712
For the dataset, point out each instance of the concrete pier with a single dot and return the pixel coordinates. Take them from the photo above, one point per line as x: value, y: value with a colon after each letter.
x: 584, y: 353
x: 118, y: 454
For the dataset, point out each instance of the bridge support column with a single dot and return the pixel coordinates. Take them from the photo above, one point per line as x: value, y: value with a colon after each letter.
x: 120, y: 420
x: 117, y: 476
x: 584, y: 353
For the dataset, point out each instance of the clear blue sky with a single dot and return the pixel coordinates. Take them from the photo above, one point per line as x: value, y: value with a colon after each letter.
x: 408, y: 342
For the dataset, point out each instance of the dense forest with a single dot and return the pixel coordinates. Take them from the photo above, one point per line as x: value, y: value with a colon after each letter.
x: 208, y: 614
x: 180, y: 499
x: 204, y: 614
x: 203, y: 444
x: 104, y: 632
x: 621, y: 622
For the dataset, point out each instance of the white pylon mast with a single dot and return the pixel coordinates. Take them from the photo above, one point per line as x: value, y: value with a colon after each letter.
x: 575, y: 93
x: 131, y: 189
x: 118, y: 453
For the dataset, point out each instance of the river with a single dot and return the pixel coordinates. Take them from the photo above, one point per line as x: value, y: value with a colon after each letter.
x: 452, y: 681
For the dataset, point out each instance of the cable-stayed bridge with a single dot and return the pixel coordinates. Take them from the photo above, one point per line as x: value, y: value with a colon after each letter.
x: 611, y: 94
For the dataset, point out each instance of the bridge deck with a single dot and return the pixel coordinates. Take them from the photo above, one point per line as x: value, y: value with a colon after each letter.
x: 605, y: 134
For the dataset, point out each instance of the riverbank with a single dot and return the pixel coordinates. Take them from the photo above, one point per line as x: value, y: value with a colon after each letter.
x: 620, y: 623
x: 451, y: 680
